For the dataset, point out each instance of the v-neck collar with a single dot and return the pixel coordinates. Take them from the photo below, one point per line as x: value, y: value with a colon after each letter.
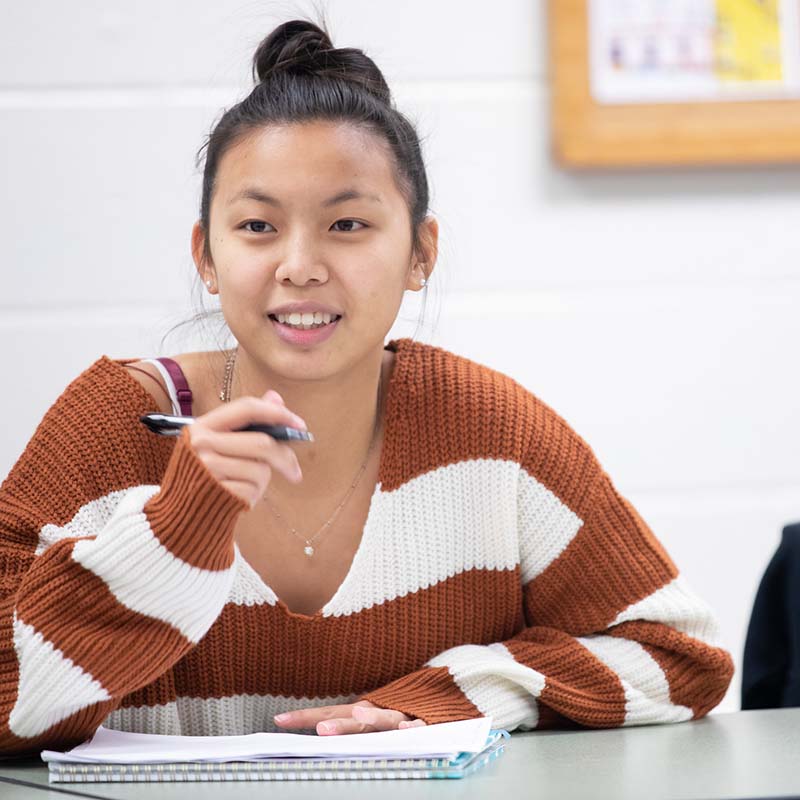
x: 395, y: 405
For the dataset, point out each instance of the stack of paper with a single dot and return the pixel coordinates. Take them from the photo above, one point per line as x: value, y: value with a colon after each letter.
x: 451, y: 749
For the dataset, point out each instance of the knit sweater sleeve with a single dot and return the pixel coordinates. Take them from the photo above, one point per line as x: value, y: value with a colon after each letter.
x: 116, y: 556
x: 612, y: 633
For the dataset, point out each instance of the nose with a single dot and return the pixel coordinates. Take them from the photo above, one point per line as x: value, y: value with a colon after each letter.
x: 301, y: 262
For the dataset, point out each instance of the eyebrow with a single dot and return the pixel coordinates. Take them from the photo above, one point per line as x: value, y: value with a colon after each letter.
x: 251, y: 193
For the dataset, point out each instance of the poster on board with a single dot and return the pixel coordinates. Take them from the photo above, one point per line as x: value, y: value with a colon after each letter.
x: 662, y: 51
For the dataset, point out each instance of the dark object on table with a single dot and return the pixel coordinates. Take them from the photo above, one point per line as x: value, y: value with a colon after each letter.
x: 771, y: 671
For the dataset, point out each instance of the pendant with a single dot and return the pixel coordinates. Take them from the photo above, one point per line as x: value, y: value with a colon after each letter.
x: 308, y: 550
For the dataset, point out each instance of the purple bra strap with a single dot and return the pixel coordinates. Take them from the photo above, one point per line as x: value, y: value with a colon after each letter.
x: 181, y: 386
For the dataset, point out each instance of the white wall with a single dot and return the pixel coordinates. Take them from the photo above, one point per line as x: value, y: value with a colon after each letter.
x: 655, y: 311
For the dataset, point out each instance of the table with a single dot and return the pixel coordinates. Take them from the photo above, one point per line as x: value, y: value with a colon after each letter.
x: 745, y: 754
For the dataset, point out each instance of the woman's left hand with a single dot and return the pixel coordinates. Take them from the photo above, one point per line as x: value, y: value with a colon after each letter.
x: 360, y: 717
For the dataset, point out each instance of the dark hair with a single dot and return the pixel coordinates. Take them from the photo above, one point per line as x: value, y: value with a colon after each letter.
x: 301, y: 77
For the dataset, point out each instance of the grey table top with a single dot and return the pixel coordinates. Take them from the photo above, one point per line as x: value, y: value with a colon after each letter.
x: 740, y: 755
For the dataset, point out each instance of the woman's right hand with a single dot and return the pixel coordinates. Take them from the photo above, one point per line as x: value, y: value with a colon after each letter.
x: 243, y: 461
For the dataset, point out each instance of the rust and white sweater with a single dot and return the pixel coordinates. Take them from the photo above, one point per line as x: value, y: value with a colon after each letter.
x: 499, y: 574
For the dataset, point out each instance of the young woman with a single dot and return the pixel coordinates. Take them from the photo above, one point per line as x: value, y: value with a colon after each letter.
x: 446, y: 547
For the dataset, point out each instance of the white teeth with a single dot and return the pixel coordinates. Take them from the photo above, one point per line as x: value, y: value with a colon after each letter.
x: 306, y: 320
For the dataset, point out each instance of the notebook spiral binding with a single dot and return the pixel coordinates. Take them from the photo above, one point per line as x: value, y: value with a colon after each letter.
x: 282, y: 769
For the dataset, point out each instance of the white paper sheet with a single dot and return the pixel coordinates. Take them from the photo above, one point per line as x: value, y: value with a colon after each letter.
x: 445, y: 740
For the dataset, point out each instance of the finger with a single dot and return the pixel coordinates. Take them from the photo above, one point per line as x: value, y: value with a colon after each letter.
x: 342, y: 725
x: 258, y: 447
x: 309, y: 717
x: 256, y: 473
x: 245, y: 491
x: 244, y: 410
x: 412, y: 723
x: 250, y: 486
x: 379, y: 719
x: 237, y: 444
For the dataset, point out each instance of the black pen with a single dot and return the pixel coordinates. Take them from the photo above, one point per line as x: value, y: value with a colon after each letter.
x: 170, y: 425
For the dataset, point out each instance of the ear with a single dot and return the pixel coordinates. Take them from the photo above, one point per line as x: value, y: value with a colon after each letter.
x: 203, y: 265
x: 423, y: 258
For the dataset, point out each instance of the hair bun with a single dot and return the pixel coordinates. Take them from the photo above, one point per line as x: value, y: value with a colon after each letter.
x: 300, y: 47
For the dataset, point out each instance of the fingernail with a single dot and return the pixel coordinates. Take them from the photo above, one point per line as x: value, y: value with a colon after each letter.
x: 327, y: 727
x: 300, y: 421
x: 282, y: 717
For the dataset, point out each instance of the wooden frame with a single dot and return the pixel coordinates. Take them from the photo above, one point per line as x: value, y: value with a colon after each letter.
x: 587, y: 134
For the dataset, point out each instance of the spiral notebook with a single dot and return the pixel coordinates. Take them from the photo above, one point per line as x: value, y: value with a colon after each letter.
x: 447, y: 750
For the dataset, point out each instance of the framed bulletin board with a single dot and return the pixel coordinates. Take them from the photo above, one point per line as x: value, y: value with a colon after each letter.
x: 675, y: 82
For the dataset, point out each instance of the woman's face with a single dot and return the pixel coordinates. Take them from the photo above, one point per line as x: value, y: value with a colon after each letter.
x: 310, y: 213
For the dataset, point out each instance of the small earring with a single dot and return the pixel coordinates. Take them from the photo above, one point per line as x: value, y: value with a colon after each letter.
x: 208, y: 283
x: 422, y: 282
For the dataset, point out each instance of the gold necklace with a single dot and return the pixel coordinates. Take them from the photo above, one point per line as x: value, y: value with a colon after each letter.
x: 225, y: 396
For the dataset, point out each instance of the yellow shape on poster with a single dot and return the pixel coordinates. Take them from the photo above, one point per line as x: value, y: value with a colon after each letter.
x: 748, y: 41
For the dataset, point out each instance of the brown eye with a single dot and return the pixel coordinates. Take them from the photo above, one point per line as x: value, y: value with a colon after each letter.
x: 348, y: 223
x: 256, y: 222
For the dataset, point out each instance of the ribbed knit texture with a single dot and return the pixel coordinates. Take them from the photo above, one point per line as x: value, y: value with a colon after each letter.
x: 499, y: 573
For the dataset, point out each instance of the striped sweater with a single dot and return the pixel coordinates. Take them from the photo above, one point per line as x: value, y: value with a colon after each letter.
x: 499, y: 573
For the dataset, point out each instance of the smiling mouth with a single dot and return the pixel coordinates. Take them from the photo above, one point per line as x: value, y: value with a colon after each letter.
x: 301, y: 326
